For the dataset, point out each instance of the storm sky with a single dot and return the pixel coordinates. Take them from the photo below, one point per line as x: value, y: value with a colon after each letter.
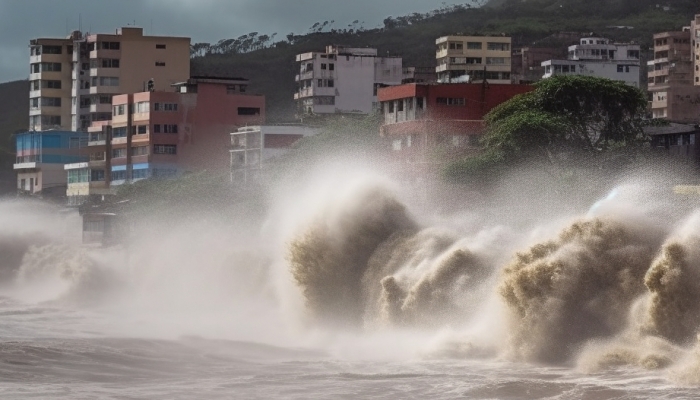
x: 202, y: 20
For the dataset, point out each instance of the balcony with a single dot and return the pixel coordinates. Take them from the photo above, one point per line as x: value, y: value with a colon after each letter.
x: 101, y: 108
x: 104, y: 90
x: 312, y: 91
x: 25, y: 165
x: 304, y: 57
x: 448, y: 53
x: 304, y: 76
x: 105, y: 53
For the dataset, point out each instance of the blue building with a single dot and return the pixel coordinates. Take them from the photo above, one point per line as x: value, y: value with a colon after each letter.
x: 41, y: 157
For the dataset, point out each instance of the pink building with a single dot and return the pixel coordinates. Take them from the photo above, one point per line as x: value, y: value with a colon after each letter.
x: 160, y: 133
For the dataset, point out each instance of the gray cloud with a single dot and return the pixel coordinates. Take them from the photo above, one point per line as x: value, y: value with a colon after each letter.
x: 202, y: 20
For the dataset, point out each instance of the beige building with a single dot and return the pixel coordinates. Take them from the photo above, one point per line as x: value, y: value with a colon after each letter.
x: 123, y: 62
x: 670, y: 78
x: 72, y: 80
x: 473, y: 59
x: 695, y: 43
x: 50, y: 62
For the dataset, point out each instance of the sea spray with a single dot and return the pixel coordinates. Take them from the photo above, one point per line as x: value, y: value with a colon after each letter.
x: 576, y: 288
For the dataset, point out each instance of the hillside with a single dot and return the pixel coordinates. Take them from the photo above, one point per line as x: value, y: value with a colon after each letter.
x: 14, y: 114
x: 271, y: 69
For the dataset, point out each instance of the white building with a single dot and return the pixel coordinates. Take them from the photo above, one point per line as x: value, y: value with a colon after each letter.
x: 598, y: 57
x: 344, y: 80
x: 251, y: 146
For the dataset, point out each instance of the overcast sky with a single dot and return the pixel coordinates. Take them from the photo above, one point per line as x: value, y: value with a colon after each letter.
x: 202, y: 20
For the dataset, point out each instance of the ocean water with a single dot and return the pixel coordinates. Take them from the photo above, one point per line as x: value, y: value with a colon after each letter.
x: 352, y: 289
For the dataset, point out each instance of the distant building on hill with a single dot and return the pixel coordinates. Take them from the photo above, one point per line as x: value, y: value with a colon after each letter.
x: 473, y: 59
x: 343, y: 79
x: 527, y: 62
x: 41, y: 157
x: 157, y: 134
x: 597, y: 56
x: 72, y: 80
x: 673, y: 94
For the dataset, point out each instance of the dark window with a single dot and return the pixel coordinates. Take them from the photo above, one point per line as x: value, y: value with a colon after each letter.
x: 52, y: 49
x: 331, y: 67
x: 164, y: 149
x: 160, y: 64
x: 160, y: 46
x: 248, y: 111
x: 156, y: 128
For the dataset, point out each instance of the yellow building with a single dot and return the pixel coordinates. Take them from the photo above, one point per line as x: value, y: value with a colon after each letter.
x: 473, y: 59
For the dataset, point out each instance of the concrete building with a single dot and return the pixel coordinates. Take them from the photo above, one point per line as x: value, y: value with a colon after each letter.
x: 50, y: 66
x: 596, y: 56
x: 72, y: 80
x: 123, y: 62
x: 695, y: 42
x: 41, y: 156
x: 343, y: 80
x: 160, y: 134
x: 473, y: 59
x: 427, y: 125
x: 252, y: 146
x: 527, y: 62
x: 673, y: 94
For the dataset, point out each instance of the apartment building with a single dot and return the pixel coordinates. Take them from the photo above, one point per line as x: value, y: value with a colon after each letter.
x: 72, y: 80
x: 158, y: 134
x: 527, y: 62
x: 427, y: 125
x: 50, y: 83
x: 123, y: 62
x: 695, y: 43
x: 671, y: 74
x: 600, y: 57
x: 343, y: 80
x: 41, y: 156
x: 473, y: 59
x: 252, y: 146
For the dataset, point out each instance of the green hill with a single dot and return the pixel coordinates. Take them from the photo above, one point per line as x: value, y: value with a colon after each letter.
x: 271, y: 67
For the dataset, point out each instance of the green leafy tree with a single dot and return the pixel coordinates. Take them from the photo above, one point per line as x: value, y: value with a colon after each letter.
x: 565, y: 118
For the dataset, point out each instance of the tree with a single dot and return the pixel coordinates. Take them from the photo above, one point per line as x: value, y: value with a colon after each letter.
x: 563, y: 116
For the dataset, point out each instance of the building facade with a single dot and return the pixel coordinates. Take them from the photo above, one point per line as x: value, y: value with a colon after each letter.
x: 160, y: 134
x: 252, y: 146
x: 671, y: 74
x: 527, y: 62
x: 596, y: 56
x: 343, y: 80
x: 473, y: 59
x: 695, y: 43
x: 41, y: 156
x: 427, y: 125
x: 72, y: 80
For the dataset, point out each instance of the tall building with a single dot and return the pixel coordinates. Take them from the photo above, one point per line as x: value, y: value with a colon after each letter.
x: 162, y: 133
x: 673, y: 94
x: 695, y: 34
x: 50, y: 83
x: 343, y: 79
x: 72, y: 80
x: 597, y: 56
x: 473, y: 59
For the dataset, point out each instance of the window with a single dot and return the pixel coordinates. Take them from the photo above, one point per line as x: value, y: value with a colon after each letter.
x: 97, y: 175
x: 496, y: 60
x: 35, y: 85
x: 160, y: 46
x: 391, y: 107
x: 399, y: 105
x: 160, y: 63
x: 497, y: 46
x: 50, y: 120
x: 473, y: 60
x: 164, y: 149
x: 118, y: 175
x: 323, y: 66
x: 324, y: 100
x: 118, y: 110
x: 34, y: 103
x: 156, y: 128
x: 455, y: 46
x: 35, y: 51
x: 50, y: 84
x: 109, y: 45
x: 51, y: 67
x: 50, y: 101
x: 141, y: 129
x: 105, y: 81
x: 451, y: 101
x: 170, y: 128
x: 52, y: 49
x: 110, y: 63
x: 119, y: 132
x: 142, y: 107
x: 139, y: 173
x: 248, y: 111
x: 419, y: 103
x: 474, y: 45
x: 164, y: 106
x: 78, y: 175
x: 331, y: 83
x: 331, y: 67
x: 34, y: 68
x: 118, y: 153
x: 139, y: 150
x: 620, y: 68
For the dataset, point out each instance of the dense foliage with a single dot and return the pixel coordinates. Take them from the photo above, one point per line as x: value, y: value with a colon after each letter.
x: 564, y: 118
